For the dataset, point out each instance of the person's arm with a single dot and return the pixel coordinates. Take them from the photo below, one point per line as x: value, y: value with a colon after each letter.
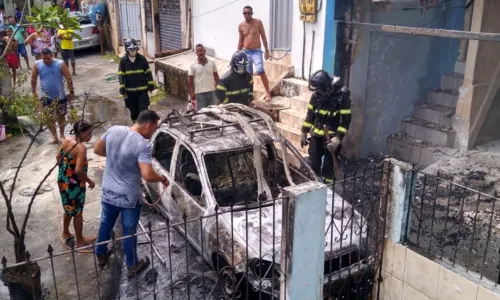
x: 25, y: 34
x: 146, y: 168
x: 309, y: 120
x: 264, y: 39
x: 34, y: 79
x: 149, y: 75
x: 191, y: 82
x: 69, y: 80
x: 30, y: 38
x: 345, y: 113
x: 121, y: 77
x: 100, y: 147
x: 216, y: 75
x: 220, y: 92
x: 240, y: 40
x: 81, y: 155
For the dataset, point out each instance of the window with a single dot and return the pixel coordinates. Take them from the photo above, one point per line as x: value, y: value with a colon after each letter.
x: 187, y: 174
x: 163, y: 150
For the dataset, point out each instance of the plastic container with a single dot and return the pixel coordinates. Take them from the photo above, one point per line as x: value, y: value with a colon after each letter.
x: 3, y: 135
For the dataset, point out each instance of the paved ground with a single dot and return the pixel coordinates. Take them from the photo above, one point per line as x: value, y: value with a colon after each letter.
x: 43, y: 227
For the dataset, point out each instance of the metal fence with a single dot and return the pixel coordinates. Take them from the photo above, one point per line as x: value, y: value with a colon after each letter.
x: 235, y: 252
x: 452, y: 222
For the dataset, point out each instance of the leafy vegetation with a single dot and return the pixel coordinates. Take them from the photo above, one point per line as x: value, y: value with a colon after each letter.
x: 54, y: 17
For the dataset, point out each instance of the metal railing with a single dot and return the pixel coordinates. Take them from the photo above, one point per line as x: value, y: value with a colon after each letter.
x: 452, y: 222
x: 234, y: 252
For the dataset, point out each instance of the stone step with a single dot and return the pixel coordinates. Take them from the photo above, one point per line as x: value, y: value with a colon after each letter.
x: 427, y: 131
x: 257, y: 82
x: 299, y: 104
x: 410, y: 150
x: 452, y: 81
x: 292, y: 87
x: 292, y: 118
x: 442, y: 115
x: 275, y: 68
x: 292, y: 135
x: 444, y: 97
x: 258, y: 92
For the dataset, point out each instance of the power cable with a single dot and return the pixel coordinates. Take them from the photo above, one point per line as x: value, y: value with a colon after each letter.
x: 215, y: 9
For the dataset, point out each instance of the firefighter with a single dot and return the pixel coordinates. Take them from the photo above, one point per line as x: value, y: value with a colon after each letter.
x: 236, y: 86
x: 329, y: 105
x: 135, y: 79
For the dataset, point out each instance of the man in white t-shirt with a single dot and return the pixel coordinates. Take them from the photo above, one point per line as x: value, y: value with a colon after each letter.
x: 203, y: 78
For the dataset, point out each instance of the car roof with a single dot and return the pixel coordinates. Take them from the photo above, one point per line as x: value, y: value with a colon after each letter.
x: 205, y: 132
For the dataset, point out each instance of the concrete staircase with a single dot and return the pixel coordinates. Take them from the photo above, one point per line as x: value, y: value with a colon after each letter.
x: 430, y: 126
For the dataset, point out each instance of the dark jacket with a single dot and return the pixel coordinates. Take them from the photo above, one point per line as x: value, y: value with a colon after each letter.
x: 332, y: 110
x: 235, y: 88
x: 135, y: 76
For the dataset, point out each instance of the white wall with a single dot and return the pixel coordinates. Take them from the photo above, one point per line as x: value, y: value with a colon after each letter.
x: 217, y: 29
x: 297, y: 41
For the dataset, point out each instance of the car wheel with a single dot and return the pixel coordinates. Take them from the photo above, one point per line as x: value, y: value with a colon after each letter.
x: 229, y: 284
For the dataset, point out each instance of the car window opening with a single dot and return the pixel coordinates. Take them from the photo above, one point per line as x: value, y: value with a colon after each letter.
x: 233, y: 179
x: 187, y: 174
x: 163, y: 150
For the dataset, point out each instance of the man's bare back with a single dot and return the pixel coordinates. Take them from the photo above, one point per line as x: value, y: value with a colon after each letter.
x: 250, y: 33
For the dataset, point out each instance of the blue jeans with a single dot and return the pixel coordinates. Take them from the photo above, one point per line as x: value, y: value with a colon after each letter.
x: 130, y: 219
x: 254, y: 57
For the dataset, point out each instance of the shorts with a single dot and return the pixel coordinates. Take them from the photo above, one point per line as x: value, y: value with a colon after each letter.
x: 255, y: 57
x: 205, y: 99
x: 61, y: 108
x: 12, y: 61
x: 136, y: 102
x: 21, y: 50
x: 68, y: 55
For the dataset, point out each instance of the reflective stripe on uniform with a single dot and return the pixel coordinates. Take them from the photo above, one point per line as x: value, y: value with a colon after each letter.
x: 307, y: 124
x: 141, y: 88
x: 345, y: 111
x: 122, y: 85
x: 309, y: 106
x: 251, y: 81
x: 325, y: 112
x: 342, y: 129
x: 121, y: 73
x: 134, y: 72
x: 327, y: 180
x: 221, y: 87
x: 147, y: 71
x: 237, y: 92
x: 321, y: 132
x: 151, y: 82
x: 226, y: 100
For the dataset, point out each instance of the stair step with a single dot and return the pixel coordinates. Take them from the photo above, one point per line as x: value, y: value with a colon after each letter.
x: 292, y: 118
x: 275, y: 68
x: 444, y: 97
x: 292, y: 87
x: 291, y: 134
x: 427, y: 131
x: 442, y: 115
x: 257, y: 82
x: 299, y: 104
x: 452, y: 81
x: 410, y: 150
x: 258, y: 92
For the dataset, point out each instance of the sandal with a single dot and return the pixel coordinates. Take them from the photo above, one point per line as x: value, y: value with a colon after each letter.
x: 141, y: 265
x: 66, y: 241
x: 53, y: 141
x: 89, y: 242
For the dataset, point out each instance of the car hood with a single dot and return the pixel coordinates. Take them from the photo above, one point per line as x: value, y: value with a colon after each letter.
x: 265, y: 243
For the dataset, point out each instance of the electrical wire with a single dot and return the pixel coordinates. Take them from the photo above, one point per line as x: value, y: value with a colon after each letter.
x: 215, y: 9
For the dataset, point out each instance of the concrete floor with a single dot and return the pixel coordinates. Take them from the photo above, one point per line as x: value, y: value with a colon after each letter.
x: 43, y: 229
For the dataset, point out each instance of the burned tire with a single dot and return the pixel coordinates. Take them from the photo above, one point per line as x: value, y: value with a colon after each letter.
x: 229, y: 284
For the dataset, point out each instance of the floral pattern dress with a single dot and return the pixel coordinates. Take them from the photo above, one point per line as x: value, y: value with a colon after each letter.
x: 71, y: 188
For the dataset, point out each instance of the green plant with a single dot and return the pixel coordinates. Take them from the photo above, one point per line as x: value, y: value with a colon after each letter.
x: 110, y: 55
x: 160, y: 95
x: 54, y: 17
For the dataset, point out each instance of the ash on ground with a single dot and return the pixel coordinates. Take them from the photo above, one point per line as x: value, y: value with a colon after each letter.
x: 455, y: 213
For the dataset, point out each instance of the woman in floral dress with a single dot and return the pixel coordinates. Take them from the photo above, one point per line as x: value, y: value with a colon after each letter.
x: 72, y: 181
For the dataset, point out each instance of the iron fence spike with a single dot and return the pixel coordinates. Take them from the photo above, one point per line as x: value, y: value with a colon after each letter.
x: 50, y: 249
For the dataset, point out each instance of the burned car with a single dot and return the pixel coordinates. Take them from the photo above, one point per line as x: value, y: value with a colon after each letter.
x: 227, y: 166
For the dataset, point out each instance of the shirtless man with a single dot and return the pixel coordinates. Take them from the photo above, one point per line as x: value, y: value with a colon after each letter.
x: 251, y: 30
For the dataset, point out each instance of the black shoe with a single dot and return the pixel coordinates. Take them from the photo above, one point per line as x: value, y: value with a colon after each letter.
x: 141, y: 265
x: 102, y: 260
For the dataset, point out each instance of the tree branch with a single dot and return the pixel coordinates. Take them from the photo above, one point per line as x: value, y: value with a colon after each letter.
x: 25, y: 222
x: 9, y: 211
x: 12, y: 37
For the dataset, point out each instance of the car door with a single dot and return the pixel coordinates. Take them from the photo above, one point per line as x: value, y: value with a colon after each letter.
x: 164, y: 146
x: 186, y: 194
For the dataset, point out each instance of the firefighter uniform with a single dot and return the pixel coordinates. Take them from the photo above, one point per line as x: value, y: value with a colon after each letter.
x: 235, y: 88
x: 334, y: 111
x: 135, y: 81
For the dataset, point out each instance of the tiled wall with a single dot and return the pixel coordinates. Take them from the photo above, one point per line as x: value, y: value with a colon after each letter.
x: 411, y: 276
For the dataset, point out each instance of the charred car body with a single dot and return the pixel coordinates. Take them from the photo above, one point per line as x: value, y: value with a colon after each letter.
x: 227, y: 169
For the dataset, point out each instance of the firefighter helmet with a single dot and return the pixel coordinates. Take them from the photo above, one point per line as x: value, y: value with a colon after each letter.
x: 130, y: 45
x: 320, y: 80
x: 239, y: 62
